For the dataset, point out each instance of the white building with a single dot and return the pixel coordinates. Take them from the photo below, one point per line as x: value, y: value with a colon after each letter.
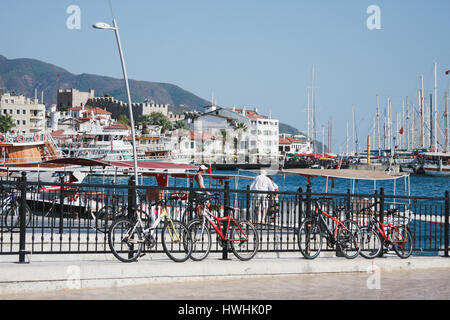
x: 262, y: 134
x: 28, y: 114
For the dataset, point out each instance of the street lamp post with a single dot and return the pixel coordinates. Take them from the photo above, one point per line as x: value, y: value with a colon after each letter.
x: 102, y: 25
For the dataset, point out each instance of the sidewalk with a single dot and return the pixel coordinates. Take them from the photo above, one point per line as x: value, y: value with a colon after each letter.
x: 61, y: 272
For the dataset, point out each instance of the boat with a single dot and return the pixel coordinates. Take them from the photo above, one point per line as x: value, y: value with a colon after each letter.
x: 26, y: 149
x: 436, y: 164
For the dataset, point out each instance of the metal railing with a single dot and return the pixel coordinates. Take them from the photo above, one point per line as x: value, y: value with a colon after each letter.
x: 62, y: 218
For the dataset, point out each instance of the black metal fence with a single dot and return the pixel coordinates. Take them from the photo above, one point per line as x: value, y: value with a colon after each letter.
x: 63, y: 218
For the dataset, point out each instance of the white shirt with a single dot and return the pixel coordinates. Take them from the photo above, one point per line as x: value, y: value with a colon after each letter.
x: 262, y: 183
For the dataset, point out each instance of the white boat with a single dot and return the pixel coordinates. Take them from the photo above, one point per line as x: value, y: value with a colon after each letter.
x: 436, y: 164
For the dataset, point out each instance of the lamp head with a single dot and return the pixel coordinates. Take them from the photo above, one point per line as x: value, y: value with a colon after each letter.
x: 102, y: 25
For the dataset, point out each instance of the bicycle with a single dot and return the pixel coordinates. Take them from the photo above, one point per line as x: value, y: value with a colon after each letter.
x: 377, y: 233
x: 127, y: 237
x: 107, y: 214
x: 241, y: 235
x: 344, y: 235
x: 11, y: 210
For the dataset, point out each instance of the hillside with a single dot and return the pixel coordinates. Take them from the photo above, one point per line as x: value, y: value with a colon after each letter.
x: 23, y: 76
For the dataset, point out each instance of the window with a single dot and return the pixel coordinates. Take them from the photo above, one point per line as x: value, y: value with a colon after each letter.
x: 24, y: 122
x: 24, y: 111
x: 18, y: 111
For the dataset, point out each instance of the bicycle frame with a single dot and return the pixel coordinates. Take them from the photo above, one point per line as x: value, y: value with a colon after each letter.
x: 224, y: 236
x: 338, y: 223
x: 380, y: 226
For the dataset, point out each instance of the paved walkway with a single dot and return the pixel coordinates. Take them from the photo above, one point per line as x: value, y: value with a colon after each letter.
x: 431, y: 284
x: 267, y: 276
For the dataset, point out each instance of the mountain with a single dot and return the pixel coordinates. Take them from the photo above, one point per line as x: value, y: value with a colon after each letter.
x: 23, y: 76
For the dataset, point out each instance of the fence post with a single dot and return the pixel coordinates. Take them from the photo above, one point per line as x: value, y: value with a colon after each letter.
x: 308, y: 199
x: 224, y: 226
x: 300, y: 205
x: 447, y: 213
x: 381, y: 213
x: 348, y: 204
x: 191, y: 200
x: 61, y: 206
x: 132, y: 193
x: 247, y: 208
x: 22, y: 218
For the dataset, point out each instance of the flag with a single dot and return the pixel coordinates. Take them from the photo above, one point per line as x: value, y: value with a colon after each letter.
x: 209, y: 170
x: 447, y: 72
x: 401, y: 131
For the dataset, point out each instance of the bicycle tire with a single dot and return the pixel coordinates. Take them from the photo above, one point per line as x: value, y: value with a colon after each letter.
x: 121, y: 246
x: 403, y: 249
x: 244, y: 240
x: 12, y: 216
x: 371, y: 243
x: 349, y: 239
x: 176, y: 240
x: 310, y: 238
x: 201, y: 239
x: 104, y: 218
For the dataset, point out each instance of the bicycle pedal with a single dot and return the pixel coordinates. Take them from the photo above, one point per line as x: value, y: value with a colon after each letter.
x: 142, y: 254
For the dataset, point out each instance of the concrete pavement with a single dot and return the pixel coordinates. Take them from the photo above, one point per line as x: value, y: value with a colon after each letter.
x: 62, y: 272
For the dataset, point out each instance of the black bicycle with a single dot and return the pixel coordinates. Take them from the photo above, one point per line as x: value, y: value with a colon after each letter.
x: 343, y: 234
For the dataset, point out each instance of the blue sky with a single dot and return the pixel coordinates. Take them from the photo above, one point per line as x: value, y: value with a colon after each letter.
x: 249, y: 52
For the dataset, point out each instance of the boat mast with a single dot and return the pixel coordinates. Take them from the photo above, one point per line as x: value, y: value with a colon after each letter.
x: 422, y: 140
x: 313, y: 106
x: 446, y: 123
x: 407, y: 125
x: 435, y: 107
x: 378, y: 125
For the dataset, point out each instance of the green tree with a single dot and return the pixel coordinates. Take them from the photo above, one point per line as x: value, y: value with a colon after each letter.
x: 6, y: 123
x: 239, y: 128
x: 123, y: 119
x: 156, y: 119
x: 181, y: 125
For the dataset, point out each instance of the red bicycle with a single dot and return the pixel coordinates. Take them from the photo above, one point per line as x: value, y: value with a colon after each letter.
x: 396, y: 235
x: 241, y: 235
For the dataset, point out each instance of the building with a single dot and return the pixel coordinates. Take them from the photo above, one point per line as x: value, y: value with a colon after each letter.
x: 73, y: 97
x: 294, y: 144
x: 28, y: 114
x: 263, y: 134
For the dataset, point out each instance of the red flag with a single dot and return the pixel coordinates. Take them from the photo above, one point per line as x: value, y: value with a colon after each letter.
x: 209, y: 170
x: 401, y: 131
x: 447, y: 72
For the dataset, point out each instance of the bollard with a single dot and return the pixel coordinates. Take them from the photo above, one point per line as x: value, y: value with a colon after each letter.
x: 22, y: 218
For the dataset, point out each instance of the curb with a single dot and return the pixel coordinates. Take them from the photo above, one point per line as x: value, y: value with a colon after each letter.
x: 104, y: 272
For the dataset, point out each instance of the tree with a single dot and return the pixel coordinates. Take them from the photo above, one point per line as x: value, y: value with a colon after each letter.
x: 6, y: 123
x: 181, y: 125
x: 157, y: 119
x: 123, y: 119
x: 239, y: 128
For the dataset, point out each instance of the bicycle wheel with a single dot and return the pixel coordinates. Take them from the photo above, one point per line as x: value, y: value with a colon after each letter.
x: 201, y: 239
x: 104, y: 218
x: 176, y: 240
x: 12, y: 216
x: 348, y: 239
x: 125, y: 240
x: 370, y: 243
x: 310, y: 238
x: 244, y: 240
x: 402, y: 241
